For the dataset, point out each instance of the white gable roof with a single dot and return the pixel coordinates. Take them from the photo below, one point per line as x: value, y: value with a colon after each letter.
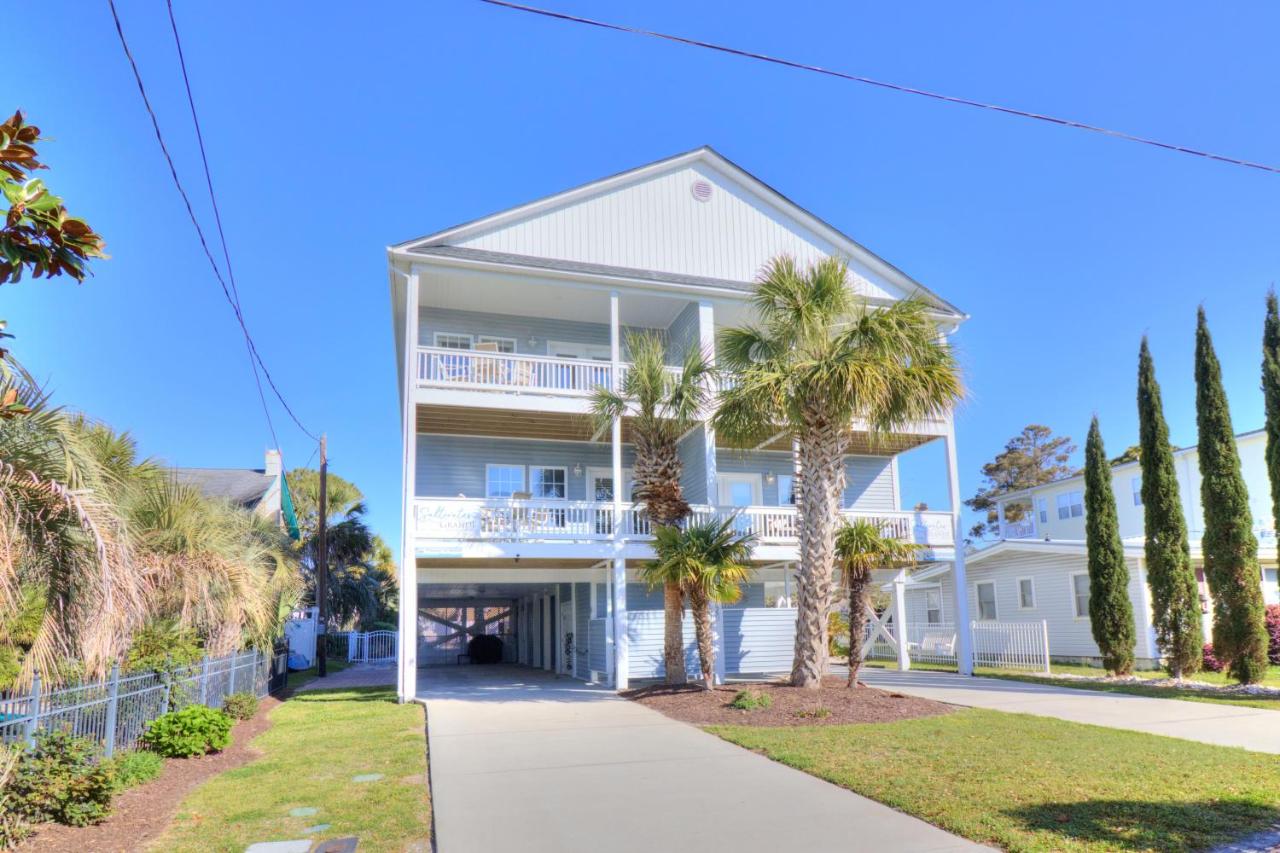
x: 696, y: 215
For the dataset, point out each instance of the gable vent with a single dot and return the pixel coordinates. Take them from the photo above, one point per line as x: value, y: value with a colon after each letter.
x: 701, y: 190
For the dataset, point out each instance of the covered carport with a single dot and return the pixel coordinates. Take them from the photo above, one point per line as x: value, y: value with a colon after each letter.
x: 550, y: 615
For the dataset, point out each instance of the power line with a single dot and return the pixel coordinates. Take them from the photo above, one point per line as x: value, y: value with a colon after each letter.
x: 217, y: 217
x: 789, y: 63
x: 186, y: 200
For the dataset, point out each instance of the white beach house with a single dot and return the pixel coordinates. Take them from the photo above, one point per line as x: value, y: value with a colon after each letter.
x: 1038, y: 570
x: 518, y: 519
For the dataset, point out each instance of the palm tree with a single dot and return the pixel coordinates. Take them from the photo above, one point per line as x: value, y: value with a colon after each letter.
x: 661, y: 405
x: 212, y: 567
x: 61, y: 534
x: 822, y: 359
x: 709, y: 560
x: 862, y: 547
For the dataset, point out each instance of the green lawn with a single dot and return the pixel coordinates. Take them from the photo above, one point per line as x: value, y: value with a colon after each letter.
x: 1036, y: 783
x: 318, y: 741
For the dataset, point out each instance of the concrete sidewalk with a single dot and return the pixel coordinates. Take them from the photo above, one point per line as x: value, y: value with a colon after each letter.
x: 1256, y: 729
x: 358, y: 675
x: 522, y: 760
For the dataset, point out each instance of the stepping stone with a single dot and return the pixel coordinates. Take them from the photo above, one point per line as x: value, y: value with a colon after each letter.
x: 367, y: 777
x: 319, y: 827
x: 337, y: 845
x: 300, y: 846
x: 304, y: 811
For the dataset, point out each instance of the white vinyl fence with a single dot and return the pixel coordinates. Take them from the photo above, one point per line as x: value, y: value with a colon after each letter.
x: 996, y: 645
x: 114, y: 711
x: 372, y: 646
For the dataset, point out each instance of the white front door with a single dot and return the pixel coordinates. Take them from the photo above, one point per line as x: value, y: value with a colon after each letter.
x: 568, y: 639
x: 739, y: 489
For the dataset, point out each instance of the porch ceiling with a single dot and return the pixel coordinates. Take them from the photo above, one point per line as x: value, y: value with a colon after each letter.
x: 863, y: 443
x: 461, y: 420
x: 531, y: 296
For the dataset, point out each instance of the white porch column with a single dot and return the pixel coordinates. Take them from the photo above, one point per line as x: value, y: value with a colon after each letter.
x: 717, y: 627
x: 900, y: 619
x: 608, y: 633
x: 1000, y: 519
x: 707, y: 340
x: 407, y: 663
x: 964, y: 646
x: 621, y: 644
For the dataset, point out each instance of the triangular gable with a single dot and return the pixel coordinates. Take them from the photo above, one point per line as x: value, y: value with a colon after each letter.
x: 695, y: 214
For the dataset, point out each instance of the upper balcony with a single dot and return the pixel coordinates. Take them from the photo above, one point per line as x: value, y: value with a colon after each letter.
x: 489, y: 370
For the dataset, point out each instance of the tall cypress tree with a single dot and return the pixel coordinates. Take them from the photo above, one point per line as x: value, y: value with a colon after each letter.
x: 1230, y: 549
x: 1110, y: 610
x: 1271, y: 399
x: 1175, y: 598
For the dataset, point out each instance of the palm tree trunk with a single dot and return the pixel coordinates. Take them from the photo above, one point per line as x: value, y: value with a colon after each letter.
x: 821, y: 454
x: 857, y: 626
x: 702, y: 627
x: 673, y: 634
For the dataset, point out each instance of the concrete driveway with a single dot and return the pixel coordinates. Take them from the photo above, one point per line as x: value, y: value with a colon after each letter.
x: 1256, y: 729
x: 521, y: 760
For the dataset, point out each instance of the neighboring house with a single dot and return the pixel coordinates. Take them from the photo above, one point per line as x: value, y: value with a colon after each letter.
x: 262, y: 491
x: 519, y: 521
x: 1038, y: 569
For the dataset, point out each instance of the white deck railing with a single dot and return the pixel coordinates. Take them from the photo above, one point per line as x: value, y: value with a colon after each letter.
x: 455, y: 368
x: 510, y: 519
x: 1023, y: 529
x: 996, y: 645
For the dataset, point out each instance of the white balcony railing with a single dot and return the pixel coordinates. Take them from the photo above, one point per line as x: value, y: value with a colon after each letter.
x: 557, y: 520
x: 454, y: 368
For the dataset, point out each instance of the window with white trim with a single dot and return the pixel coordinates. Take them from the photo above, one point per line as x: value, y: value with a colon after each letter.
x: 452, y: 340
x: 1070, y: 505
x: 1080, y: 594
x: 986, y: 597
x: 1135, y: 483
x: 1026, y: 594
x: 933, y: 606
x: 1042, y: 507
x: 505, y: 345
x: 786, y: 490
x: 549, y: 482
x: 503, y: 481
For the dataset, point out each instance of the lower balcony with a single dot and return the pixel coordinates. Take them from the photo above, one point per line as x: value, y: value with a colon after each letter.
x: 508, y: 520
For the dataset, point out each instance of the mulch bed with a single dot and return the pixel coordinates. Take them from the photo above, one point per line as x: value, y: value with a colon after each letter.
x: 141, y: 814
x: 832, y: 704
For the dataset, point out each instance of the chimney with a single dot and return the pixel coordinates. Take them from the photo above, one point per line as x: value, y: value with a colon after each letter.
x: 274, y: 463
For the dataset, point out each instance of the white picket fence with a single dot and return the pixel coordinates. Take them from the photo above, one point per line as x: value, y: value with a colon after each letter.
x: 372, y: 646
x: 996, y: 645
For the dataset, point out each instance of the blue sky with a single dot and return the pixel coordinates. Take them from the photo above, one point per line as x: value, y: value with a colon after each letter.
x: 333, y: 134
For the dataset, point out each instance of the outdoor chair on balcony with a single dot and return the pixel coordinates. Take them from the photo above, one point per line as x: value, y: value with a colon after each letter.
x: 487, y: 371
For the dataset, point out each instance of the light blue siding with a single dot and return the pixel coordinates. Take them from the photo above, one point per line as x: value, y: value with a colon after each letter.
x: 449, y: 465
x: 869, y: 479
x: 640, y: 597
x: 758, y: 639
x: 645, y: 636
x: 683, y: 332
x: 597, y: 644
x: 693, y: 461
x: 752, y: 596
x: 581, y: 634
x: 539, y: 330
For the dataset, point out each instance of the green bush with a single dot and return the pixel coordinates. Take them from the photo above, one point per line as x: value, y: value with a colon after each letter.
x: 162, y: 646
x: 135, y: 767
x: 242, y: 705
x: 818, y: 713
x: 750, y: 700
x: 382, y: 625
x: 13, y: 826
x: 194, y: 730
x: 61, y: 780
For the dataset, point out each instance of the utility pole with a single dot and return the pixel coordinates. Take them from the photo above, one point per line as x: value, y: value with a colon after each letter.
x: 322, y: 565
